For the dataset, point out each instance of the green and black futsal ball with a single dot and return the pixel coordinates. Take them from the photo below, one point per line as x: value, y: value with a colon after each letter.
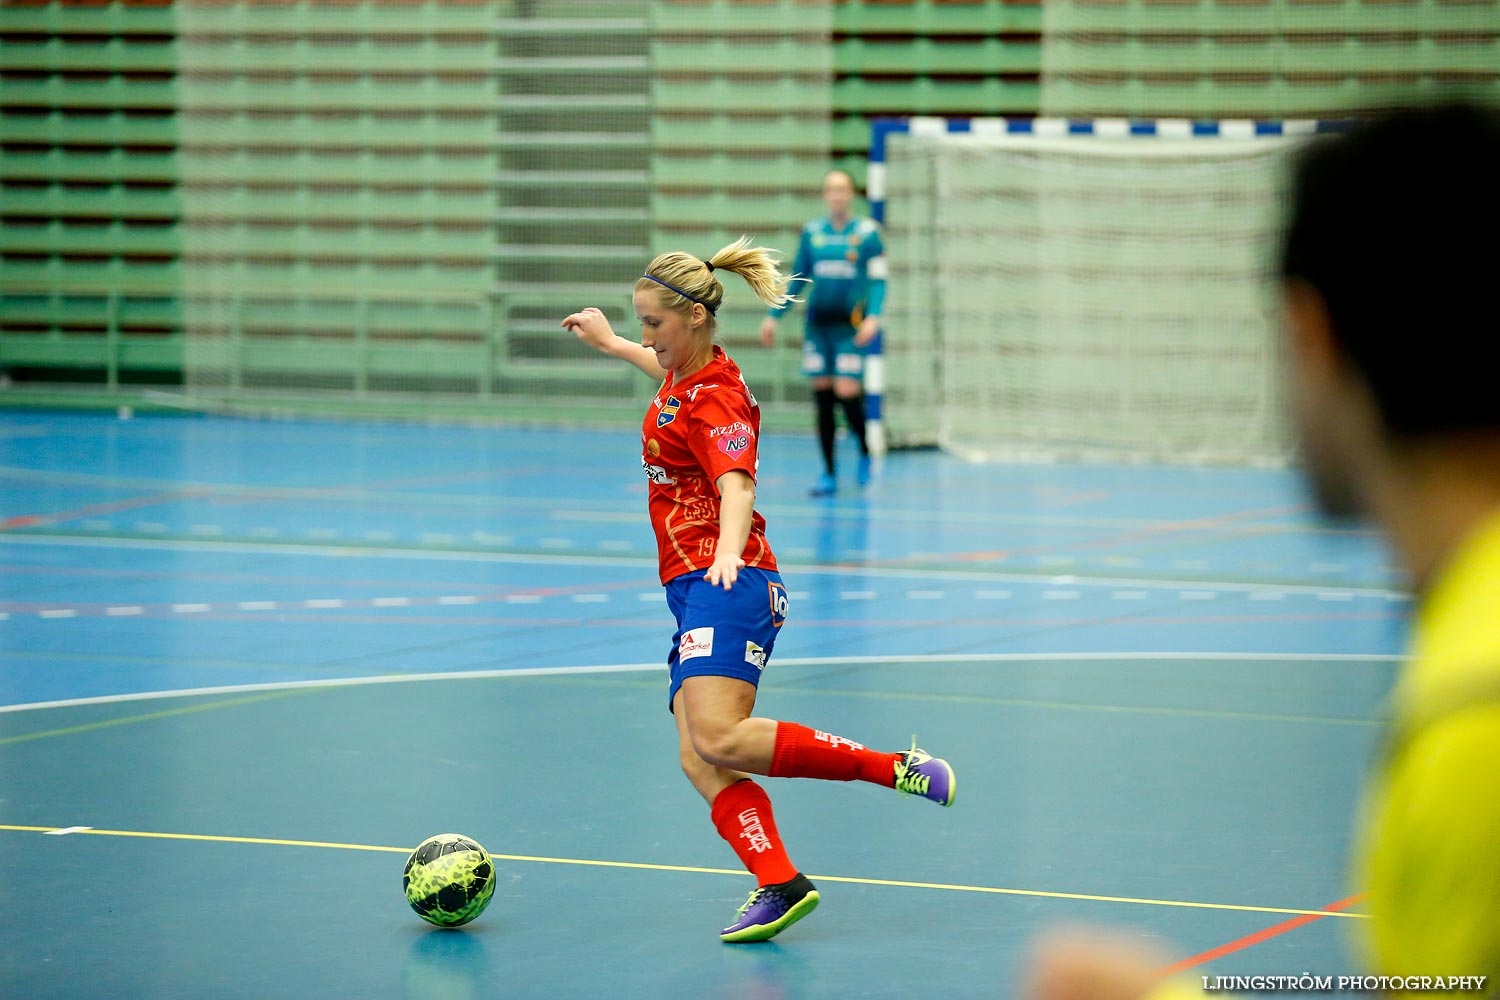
x: 449, y: 879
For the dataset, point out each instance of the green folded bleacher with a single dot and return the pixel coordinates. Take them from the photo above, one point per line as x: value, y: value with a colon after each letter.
x: 408, y: 194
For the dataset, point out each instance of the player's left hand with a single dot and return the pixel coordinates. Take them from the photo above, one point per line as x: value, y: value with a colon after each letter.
x: 724, y: 571
x: 868, y: 328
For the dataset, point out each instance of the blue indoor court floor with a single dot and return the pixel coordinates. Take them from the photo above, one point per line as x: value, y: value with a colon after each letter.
x: 246, y: 665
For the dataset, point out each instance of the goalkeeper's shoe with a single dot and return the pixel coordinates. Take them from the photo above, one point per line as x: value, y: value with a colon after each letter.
x: 770, y: 910
x: 920, y: 773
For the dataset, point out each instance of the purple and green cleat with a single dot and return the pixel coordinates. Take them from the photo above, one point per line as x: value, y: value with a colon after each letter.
x: 920, y: 773
x: 770, y: 910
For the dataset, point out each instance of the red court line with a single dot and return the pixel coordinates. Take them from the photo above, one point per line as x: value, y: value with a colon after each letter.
x: 112, y: 507
x: 1249, y: 940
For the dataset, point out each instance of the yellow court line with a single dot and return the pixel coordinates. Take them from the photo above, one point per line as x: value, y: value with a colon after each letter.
x: 945, y: 886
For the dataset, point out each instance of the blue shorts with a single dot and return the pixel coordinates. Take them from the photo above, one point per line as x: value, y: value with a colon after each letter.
x: 723, y: 633
x: 828, y: 350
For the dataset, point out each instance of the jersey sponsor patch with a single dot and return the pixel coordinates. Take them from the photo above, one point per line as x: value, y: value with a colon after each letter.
x: 668, y: 411
x: 780, y: 604
x: 698, y: 642
x: 836, y: 269
x: 657, y: 474
x: 653, y: 448
x: 755, y: 655
x: 734, y: 445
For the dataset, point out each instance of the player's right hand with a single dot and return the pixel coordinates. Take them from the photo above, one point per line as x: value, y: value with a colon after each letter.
x: 591, y: 326
x: 768, y: 331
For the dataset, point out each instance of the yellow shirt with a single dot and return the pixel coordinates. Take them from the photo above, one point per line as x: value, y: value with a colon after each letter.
x: 1429, y: 852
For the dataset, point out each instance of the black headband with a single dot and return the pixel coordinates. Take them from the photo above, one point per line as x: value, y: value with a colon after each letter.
x: 690, y: 298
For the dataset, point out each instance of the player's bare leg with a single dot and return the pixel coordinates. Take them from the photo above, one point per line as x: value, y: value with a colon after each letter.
x: 722, y: 732
x: 741, y: 812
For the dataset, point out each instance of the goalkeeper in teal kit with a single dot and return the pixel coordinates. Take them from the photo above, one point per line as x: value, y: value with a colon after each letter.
x: 844, y: 259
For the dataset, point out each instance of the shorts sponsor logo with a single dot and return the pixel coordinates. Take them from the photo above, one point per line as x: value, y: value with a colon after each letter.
x: 657, y: 474
x: 734, y: 446
x: 668, y: 411
x: 780, y: 604
x: 698, y: 642
x: 755, y: 655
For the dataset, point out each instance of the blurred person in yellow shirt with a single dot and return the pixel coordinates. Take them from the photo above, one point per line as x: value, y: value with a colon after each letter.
x: 1387, y: 267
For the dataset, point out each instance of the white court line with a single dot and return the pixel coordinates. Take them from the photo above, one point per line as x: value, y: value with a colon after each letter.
x: 558, y: 559
x: 390, y: 602
x: 636, y: 668
x: 459, y: 599
x: 128, y: 609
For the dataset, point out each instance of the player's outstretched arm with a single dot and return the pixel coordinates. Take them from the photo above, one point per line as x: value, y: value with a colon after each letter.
x: 736, y: 507
x: 593, y: 329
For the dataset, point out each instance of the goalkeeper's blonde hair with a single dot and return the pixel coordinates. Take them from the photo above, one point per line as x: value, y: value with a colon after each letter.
x: 693, y: 280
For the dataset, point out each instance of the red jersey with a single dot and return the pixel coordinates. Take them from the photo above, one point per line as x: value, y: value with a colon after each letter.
x: 694, y: 432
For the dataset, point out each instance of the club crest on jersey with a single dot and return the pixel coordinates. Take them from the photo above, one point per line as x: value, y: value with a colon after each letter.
x: 780, y: 604
x: 668, y: 411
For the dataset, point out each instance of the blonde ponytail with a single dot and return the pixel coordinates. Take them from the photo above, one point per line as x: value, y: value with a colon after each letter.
x: 683, y: 279
x: 759, y: 267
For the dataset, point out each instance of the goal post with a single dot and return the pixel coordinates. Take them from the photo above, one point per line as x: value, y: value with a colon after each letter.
x: 1066, y: 290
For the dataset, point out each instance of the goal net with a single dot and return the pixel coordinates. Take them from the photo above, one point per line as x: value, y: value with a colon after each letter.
x: 1085, y: 298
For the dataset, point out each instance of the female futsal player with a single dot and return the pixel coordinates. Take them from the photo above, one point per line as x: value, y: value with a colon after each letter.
x: 699, y: 446
x: 842, y: 255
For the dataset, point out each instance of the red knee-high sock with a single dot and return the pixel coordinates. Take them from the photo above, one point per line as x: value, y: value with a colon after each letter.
x: 742, y: 815
x: 809, y: 753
